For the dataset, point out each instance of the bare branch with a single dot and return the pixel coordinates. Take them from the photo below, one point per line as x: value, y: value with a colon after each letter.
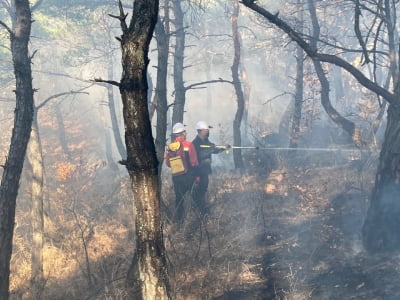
x: 113, y: 82
x: 313, y: 53
x: 33, y: 54
x: 62, y: 94
x: 122, y: 17
x: 357, y: 14
x: 277, y: 96
x: 194, y: 85
x: 7, y: 28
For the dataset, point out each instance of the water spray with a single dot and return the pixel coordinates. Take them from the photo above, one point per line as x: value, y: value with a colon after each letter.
x: 287, y: 148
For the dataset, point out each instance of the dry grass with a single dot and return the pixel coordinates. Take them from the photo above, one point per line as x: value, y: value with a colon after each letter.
x: 265, y: 236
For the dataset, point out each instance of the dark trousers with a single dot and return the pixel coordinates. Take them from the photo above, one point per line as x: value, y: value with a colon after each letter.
x: 182, y: 185
x: 200, y: 194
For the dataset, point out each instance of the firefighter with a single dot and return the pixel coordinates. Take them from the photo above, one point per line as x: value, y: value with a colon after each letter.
x: 181, y: 157
x: 204, y: 150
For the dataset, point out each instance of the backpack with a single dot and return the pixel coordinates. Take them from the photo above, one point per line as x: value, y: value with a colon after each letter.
x: 177, y: 158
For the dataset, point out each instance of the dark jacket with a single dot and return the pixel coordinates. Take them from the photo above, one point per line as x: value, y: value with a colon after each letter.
x: 204, y: 153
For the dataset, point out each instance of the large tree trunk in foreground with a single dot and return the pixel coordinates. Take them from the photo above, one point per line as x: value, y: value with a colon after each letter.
x: 378, y: 234
x: 19, y: 139
x: 147, y: 277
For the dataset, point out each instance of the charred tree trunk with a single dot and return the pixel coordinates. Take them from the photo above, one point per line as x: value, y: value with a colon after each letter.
x: 237, y: 139
x: 378, y: 235
x: 162, y: 37
x: 179, y: 56
x: 23, y: 116
x: 148, y: 276
x: 35, y: 158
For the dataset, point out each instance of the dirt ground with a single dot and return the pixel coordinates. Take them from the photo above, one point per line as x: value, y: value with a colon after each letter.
x: 283, y: 230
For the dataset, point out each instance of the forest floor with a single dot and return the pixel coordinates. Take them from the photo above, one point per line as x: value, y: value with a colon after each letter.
x: 282, y: 232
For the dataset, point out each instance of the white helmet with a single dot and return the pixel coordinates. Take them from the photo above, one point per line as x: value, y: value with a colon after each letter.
x: 178, y: 128
x: 202, y: 125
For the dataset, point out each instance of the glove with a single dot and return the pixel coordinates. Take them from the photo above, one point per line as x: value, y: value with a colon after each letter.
x: 197, y: 180
x: 227, y: 147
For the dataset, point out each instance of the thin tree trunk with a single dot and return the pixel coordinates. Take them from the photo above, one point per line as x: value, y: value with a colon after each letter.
x: 35, y: 158
x: 23, y: 116
x: 298, y: 98
x: 237, y: 139
x: 108, y: 147
x: 113, y: 114
x: 148, y: 276
x: 162, y: 37
x: 179, y: 55
x: 334, y: 115
x: 246, y: 94
x: 338, y: 84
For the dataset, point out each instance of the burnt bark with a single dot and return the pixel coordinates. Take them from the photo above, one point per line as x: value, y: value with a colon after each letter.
x: 148, y: 276
x: 237, y: 139
x: 377, y: 235
x: 23, y: 117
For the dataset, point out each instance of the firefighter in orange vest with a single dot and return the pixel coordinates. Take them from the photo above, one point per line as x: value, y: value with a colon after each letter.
x: 181, y: 157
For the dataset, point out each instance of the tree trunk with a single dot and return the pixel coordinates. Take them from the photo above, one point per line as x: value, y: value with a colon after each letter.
x: 113, y: 115
x: 333, y: 114
x: 148, y: 276
x: 377, y: 236
x: 237, y: 139
x: 35, y: 159
x: 246, y: 94
x: 20, y: 136
x: 338, y: 84
x: 111, y: 163
x: 179, y: 54
x: 298, y: 98
x: 162, y: 36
